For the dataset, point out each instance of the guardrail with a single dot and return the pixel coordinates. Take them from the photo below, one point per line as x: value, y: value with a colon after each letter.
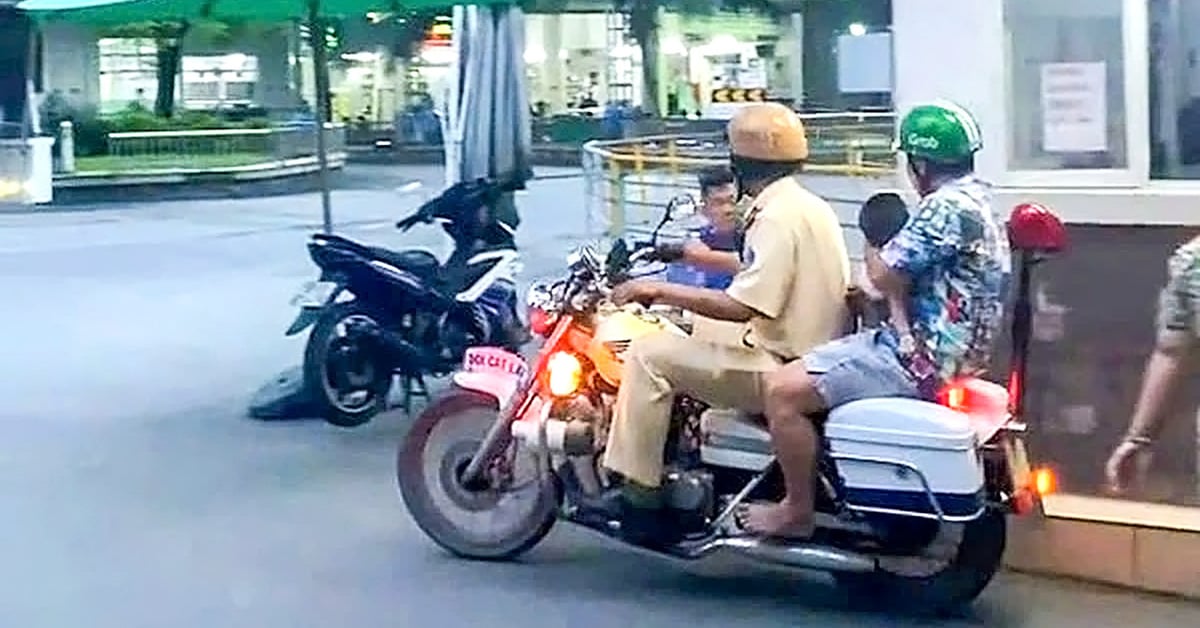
x: 191, y: 148
x: 629, y: 181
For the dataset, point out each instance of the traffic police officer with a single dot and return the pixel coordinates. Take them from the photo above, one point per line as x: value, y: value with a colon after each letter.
x: 790, y: 292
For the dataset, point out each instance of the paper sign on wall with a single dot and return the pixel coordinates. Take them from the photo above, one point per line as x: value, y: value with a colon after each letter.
x: 1074, y: 107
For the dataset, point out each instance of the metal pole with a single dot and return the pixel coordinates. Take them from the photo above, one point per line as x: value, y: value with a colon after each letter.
x: 316, y: 40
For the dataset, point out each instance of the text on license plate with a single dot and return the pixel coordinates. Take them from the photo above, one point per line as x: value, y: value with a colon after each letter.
x: 314, y: 294
x: 493, y: 360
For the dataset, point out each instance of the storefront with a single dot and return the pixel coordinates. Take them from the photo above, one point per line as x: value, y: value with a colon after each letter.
x: 579, y: 61
x: 1093, y: 108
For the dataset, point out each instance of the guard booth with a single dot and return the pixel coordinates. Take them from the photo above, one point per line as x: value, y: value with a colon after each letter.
x: 1091, y: 107
x: 25, y: 157
x: 15, y: 167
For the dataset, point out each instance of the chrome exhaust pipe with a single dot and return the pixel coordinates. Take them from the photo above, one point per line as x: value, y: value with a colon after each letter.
x: 799, y: 555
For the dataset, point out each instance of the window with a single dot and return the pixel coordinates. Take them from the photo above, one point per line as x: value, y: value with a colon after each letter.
x: 1066, y: 68
x: 1174, y: 89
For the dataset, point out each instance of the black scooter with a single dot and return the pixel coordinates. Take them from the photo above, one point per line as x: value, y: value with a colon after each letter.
x: 376, y: 313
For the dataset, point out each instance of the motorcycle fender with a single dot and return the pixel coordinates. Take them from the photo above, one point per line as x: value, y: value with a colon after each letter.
x: 309, y: 314
x: 491, y: 371
x: 304, y: 319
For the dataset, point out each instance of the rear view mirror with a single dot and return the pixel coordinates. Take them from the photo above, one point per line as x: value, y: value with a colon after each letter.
x: 617, y: 261
x: 1032, y: 227
x: 681, y: 206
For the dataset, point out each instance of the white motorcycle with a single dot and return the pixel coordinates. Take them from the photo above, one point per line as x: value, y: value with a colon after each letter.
x: 912, y: 495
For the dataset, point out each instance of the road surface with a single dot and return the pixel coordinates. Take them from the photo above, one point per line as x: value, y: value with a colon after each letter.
x: 136, y: 494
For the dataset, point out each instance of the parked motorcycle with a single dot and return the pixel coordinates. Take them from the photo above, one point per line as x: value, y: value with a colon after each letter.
x: 377, y: 313
x: 913, y: 495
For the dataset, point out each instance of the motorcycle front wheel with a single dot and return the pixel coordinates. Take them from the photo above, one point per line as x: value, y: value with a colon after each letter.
x: 347, y: 383
x: 499, y: 517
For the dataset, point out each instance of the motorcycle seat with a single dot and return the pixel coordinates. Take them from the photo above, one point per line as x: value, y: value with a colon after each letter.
x: 423, y: 264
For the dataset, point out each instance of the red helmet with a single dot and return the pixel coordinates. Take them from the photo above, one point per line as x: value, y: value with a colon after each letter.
x: 1033, y: 227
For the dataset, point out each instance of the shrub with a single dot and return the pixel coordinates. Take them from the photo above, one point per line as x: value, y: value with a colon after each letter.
x: 91, y: 129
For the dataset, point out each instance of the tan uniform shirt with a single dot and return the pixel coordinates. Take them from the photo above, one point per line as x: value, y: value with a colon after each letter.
x: 795, y: 270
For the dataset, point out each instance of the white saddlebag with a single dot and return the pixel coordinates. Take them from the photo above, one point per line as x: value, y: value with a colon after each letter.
x: 884, y: 447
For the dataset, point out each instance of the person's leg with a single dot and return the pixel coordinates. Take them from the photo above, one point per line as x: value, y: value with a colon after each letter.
x: 791, y: 396
x: 642, y: 414
x: 845, y: 370
x: 657, y: 369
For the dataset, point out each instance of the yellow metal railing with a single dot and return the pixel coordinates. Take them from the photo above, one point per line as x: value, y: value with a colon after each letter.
x: 629, y: 180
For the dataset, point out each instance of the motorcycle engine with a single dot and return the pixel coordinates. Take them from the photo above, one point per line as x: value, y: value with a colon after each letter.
x: 690, y: 494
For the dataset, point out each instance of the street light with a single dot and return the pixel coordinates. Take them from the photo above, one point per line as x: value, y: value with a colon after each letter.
x: 858, y: 29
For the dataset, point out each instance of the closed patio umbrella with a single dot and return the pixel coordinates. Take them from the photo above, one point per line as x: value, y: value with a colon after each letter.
x: 489, y: 115
x: 312, y: 11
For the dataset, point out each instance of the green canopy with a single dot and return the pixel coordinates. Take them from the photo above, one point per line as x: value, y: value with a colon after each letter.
x: 130, y: 11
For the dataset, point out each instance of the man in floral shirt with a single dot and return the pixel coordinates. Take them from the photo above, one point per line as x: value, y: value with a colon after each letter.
x: 948, y: 264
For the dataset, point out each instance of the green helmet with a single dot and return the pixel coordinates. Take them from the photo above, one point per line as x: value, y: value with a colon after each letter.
x: 942, y: 131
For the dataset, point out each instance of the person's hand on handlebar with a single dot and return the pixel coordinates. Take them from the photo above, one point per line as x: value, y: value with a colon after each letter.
x: 642, y: 291
x: 669, y: 252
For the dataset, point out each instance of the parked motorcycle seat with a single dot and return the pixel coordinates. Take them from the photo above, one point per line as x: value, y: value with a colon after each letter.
x: 423, y: 264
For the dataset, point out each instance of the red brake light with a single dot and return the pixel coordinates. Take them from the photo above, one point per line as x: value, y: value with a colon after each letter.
x: 1033, y: 227
x: 954, y: 396
x: 540, y: 322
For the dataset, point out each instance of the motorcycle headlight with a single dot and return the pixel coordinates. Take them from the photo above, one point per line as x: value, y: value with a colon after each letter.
x: 564, y: 374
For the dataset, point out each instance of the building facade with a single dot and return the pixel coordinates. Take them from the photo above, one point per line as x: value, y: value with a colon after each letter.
x: 1091, y: 107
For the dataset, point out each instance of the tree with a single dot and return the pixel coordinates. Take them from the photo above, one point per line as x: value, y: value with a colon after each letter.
x: 168, y: 42
x: 169, y: 38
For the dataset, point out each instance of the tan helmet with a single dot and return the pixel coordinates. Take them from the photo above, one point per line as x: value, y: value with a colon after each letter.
x: 768, y: 132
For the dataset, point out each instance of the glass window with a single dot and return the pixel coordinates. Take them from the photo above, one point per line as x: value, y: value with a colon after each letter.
x: 1174, y: 89
x: 1066, y: 84
x: 1094, y: 328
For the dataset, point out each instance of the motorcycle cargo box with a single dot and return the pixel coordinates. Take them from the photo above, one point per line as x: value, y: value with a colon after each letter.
x: 892, y: 454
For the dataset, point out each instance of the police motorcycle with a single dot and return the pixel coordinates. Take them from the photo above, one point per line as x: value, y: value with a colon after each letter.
x: 913, y: 495
x: 376, y: 313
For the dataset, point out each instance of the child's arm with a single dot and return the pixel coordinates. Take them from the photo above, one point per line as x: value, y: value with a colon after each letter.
x: 898, y: 315
x: 700, y: 254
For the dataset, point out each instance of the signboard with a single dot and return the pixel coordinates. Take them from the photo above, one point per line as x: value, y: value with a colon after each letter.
x: 739, y: 94
x: 440, y: 34
x: 1075, y: 107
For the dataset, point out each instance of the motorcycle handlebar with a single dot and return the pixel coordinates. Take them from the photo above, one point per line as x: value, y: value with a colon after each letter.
x: 490, y: 189
x: 411, y: 221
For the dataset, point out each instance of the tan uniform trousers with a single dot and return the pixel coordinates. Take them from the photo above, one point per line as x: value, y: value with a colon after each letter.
x: 661, y: 366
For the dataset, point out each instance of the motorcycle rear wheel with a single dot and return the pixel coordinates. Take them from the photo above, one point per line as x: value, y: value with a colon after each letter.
x: 429, y: 464
x: 977, y: 560
x: 317, y: 355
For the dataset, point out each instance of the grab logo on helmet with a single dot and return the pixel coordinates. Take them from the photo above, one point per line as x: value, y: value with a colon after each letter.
x: 923, y: 141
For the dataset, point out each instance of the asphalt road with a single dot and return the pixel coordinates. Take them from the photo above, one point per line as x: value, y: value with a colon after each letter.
x: 135, y: 493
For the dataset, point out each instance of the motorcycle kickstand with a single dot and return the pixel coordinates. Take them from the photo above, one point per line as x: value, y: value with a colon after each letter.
x: 414, y: 386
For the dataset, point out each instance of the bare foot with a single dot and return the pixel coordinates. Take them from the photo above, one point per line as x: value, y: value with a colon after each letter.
x: 779, y: 521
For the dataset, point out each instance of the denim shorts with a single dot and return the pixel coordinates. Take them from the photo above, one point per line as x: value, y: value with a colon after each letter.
x: 860, y: 366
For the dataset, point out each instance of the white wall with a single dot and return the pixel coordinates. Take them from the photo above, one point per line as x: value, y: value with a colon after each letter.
x: 71, y: 62
x: 954, y: 49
